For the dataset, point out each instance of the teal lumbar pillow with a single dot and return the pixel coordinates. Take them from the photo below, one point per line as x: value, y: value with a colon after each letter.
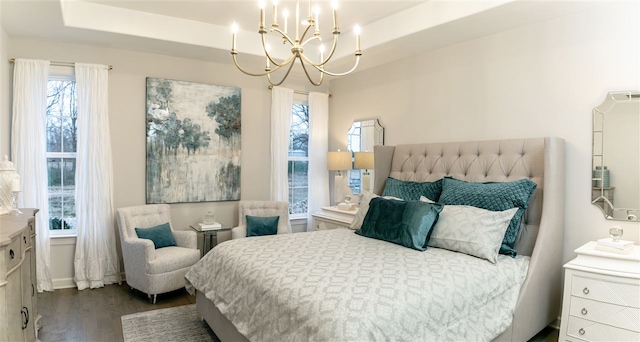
x: 160, y: 235
x: 259, y: 225
x: 406, y: 223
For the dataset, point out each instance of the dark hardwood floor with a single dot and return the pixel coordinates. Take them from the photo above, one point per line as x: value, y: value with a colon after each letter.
x: 94, y: 315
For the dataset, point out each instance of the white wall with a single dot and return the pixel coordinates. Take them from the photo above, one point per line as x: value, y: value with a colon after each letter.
x: 538, y: 80
x: 127, y: 124
x: 5, y: 118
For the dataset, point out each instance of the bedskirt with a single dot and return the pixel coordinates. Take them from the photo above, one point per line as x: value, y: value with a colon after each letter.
x: 336, y: 285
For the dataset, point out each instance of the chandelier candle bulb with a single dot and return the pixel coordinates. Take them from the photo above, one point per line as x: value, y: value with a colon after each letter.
x: 297, y: 21
x: 234, y: 29
x: 261, y: 5
x: 335, y: 15
x: 275, y: 14
x: 356, y: 30
x: 317, y: 16
x: 285, y: 16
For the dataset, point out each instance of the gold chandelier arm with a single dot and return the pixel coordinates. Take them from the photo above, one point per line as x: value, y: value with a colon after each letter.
x: 284, y: 35
x: 341, y: 73
x: 283, y: 78
x: 305, y: 31
x: 309, y: 76
x: 266, y: 73
x: 310, y: 39
x: 323, y: 62
x: 264, y: 47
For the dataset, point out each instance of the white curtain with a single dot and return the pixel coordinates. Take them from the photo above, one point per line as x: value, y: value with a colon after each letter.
x: 318, y: 147
x: 96, y: 262
x: 281, y: 106
x: 28, y: 152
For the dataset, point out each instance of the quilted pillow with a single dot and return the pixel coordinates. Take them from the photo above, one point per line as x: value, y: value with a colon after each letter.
x: 160, y: 235
x: 411, y: 191
x: 260, y: 226
x: 494, y: 196
x: 406, y: 223
x: 471, y: 230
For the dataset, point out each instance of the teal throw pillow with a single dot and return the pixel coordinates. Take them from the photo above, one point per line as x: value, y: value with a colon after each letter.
x: 259, y: 226
x: 160, y: 235
x: 406, y: 223
x: 494, y: 196
x: 411, y: 191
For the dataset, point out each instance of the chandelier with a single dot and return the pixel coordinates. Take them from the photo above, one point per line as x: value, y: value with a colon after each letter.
x: 298, y: 44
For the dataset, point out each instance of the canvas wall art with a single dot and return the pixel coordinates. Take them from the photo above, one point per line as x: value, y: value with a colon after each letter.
x: 193, y: 142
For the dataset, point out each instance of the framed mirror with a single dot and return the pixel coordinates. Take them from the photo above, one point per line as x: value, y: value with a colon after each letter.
x: 615, y: 187
x: 362, y: 136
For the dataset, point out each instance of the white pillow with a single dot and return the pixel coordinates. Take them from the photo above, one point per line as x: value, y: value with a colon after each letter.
x: 470, y: 230
x: 365, y: 198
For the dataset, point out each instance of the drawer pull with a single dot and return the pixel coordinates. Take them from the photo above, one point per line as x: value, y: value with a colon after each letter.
x: 581, y: 331
x: 25, y: 239
x: 12, y: 254
x: 583, y: 311
x: 585, y: 290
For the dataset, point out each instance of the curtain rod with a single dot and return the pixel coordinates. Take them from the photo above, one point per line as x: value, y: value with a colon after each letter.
x: 300, y: 92
x: 67, y: 64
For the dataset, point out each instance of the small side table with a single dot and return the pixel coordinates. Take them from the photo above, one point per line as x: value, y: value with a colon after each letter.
x: 211, y: 235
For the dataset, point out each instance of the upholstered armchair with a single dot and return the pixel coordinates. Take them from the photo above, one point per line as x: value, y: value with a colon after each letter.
x: 264, y: 209
x: 148, y: 269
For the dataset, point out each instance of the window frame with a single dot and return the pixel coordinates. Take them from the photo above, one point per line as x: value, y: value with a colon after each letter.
x: 297, y: 100
x: 61, y: 73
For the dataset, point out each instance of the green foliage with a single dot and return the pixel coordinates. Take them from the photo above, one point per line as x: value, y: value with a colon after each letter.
x: 226, y: 112
x: 58, y: 224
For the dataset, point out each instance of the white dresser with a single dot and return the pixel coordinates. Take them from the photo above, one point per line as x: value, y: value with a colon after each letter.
x: 19, y: 317
x: 332, y: 218
x: 601, y: 299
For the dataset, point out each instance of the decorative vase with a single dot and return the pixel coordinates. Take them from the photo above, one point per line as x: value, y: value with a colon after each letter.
x: 601, y: 177
x: 209, y: 218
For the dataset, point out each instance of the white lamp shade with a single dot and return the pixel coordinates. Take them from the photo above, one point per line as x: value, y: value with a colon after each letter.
x: 338, y: 161
x: 363, y: 161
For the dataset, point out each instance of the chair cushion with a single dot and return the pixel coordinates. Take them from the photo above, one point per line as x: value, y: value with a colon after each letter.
x: 259, y: 226
x: 160, y: 235
x: 172, y: 258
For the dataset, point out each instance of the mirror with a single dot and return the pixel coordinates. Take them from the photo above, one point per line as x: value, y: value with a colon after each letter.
x: 616, y: 156
x: 362, y: 136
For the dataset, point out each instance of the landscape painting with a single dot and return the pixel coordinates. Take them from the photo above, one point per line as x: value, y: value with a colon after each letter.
x: 193, y: 142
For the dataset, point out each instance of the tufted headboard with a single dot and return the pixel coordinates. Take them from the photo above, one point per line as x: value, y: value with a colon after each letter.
x: 539, y: 159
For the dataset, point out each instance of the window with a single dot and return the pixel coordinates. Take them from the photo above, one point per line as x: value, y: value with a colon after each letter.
x: 62, y: 136
x: 299, y: 160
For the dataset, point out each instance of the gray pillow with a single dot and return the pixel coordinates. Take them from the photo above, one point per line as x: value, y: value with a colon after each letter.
x: 471, y: 230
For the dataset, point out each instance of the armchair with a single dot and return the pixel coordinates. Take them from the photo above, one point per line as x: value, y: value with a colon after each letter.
x: 148, y: 269
x: 261, y: 208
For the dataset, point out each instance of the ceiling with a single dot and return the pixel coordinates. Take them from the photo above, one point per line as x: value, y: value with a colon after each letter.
x: 200, y: 29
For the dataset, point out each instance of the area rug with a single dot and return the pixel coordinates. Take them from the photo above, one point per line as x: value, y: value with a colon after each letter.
x: 180, y: 323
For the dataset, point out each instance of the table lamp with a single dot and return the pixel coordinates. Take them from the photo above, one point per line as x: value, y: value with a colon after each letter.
x: 338, y: 162
x: 364, y: 161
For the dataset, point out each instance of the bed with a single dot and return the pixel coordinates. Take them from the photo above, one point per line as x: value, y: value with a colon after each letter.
x: 337, y: 285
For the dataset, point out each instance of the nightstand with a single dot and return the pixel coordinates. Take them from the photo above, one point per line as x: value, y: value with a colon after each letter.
x: 332, y: 218
x: 211, y: 235
x: 601, y: 299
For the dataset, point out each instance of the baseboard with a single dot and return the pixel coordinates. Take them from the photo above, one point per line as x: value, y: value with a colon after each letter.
x: 67, y: 283
x: 63, y: 283
x: 555, y: 324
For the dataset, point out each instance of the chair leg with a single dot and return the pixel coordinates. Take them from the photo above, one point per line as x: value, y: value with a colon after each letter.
x: 155, y: 296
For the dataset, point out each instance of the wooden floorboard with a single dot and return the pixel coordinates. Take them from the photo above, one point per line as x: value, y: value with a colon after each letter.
x: 94, y: 315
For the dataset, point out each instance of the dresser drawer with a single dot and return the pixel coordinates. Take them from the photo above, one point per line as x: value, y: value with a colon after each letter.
x: 14, y: 252
x: 26, y: 240
x: 608, y: 291
x: 610, y: 314
x: 585, y: 330
x: 326, y: 225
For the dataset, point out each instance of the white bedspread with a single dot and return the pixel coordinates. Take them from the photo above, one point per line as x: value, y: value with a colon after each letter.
x: 335, y: 285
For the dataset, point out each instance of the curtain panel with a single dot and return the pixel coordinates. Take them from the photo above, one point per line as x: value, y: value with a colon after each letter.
x: 281, y: 106
x: 28, y: 152
x: 96, y: 261
x: 318, y: 147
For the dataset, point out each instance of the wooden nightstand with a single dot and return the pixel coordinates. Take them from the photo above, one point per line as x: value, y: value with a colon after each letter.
x: 332, y: 218
x: 601, y: 296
